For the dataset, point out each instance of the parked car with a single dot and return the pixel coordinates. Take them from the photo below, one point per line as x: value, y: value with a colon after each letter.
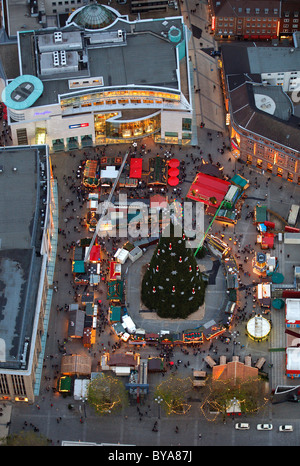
x: 215, y: 53
x: 264, y: 427
x: 286, y: 428
x: 242, y: 426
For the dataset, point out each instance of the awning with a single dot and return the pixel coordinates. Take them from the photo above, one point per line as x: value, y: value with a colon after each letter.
x: 64, y: 384
x: 78, y: 267
x: 135, y: 168
x: 95, y: 254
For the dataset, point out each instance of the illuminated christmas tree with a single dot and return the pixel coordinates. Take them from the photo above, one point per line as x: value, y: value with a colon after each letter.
x: 173, y: 285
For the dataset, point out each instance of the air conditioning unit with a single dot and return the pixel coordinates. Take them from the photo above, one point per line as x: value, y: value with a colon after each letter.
x: 55, y: 58
x: 57, y: 37
x: 63, y: 58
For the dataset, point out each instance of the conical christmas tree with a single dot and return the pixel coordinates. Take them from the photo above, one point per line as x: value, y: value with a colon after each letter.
x: 173, y: 285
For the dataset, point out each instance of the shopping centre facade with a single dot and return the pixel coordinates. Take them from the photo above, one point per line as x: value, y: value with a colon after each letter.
x: 29, y: 228
x: 102, y: 79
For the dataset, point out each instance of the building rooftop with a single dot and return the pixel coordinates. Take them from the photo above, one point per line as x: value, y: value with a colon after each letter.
x: 262, y: 109
x: 241, y: 8
x: 22, y: 210
x: 117, y: 55
x: 247, y: 115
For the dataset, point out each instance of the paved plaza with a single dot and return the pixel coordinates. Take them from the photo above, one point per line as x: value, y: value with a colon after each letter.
x: 50, y: 414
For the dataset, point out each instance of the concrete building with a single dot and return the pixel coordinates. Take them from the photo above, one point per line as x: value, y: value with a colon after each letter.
x: 28, y: 232
x: 102, y: 79
x: 260, y: 94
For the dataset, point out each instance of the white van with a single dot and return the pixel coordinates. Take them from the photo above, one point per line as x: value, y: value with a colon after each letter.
x: 286, y: 428
x: 242, y: 426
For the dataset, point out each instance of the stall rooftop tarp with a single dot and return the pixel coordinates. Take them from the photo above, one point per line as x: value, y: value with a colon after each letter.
x: 260, y: 213
x: 78, y: 267
x: 115, y: 290
x: 240, y: 181
x: 115, y: 314
x: 205, y: 187
x: 136, y: 168
x: 95, y: 253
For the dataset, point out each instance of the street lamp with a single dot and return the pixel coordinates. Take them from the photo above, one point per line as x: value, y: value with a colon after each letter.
x: 158, y: 401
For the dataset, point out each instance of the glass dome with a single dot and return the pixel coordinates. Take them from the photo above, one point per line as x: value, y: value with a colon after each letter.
x: 94, y: 17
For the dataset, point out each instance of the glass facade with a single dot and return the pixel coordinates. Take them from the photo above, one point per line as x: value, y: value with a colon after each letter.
x: 118, y: 98
x: 129, y: 130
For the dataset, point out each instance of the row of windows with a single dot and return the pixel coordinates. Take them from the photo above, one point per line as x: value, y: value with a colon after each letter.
x: 248, y: 19
x: 66, y: 2
x: 253, y: 31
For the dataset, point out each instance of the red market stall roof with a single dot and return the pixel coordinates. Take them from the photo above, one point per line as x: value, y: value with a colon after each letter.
x: 173, y: 180
x: 206, y: 187
x: 173, y: 163
x: 114, y: 270
x: 135, y: 168
x: 95, y: 253
x: 267, y: 241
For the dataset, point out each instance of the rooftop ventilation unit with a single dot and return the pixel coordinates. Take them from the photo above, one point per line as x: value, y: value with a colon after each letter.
x: 57, y: 37
x: 120, y: 33
x: 63, y: 58
x: 55, y: 58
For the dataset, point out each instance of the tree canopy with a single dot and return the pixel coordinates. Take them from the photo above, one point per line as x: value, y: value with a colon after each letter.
x: 173, y: 285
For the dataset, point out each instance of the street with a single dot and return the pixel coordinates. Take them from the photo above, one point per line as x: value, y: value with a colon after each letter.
x: 51, y: 416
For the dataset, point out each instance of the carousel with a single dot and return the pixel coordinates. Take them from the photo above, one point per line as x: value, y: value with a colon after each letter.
x: 258, y: 328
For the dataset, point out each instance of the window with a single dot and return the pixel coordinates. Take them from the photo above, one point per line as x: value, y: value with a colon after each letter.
x: 266, y: 11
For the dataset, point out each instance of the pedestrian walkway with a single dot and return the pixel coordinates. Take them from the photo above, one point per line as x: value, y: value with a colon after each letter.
x: 208, y: 99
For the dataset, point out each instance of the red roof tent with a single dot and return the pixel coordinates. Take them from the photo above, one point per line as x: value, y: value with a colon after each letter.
x: 114, y: 270
x: 95, y: 253
x: 205, y: 187
x: 135, y: 168
x: 267, y: 241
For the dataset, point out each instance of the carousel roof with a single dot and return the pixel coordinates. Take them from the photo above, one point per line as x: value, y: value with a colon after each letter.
x: 258, y: 327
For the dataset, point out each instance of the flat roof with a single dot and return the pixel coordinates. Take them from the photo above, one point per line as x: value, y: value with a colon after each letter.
x: 292, y: 310
x: 21, y: 205
x: 145, y: 58
x: 293, y: 359
x: 273, y: 59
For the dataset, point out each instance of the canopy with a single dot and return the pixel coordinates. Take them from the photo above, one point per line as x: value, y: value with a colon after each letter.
x: 173, y: 180
x: 208, y: 189
x: 173, y: 163
x: 173, y: 172
x: 95, y: 253
x: 278, y: 303
x: 78, y: 267
x: 135, y: 168
x: 277, y: 277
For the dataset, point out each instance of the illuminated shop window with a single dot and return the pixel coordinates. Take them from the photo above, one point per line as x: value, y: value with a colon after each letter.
x: 186, y: 124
